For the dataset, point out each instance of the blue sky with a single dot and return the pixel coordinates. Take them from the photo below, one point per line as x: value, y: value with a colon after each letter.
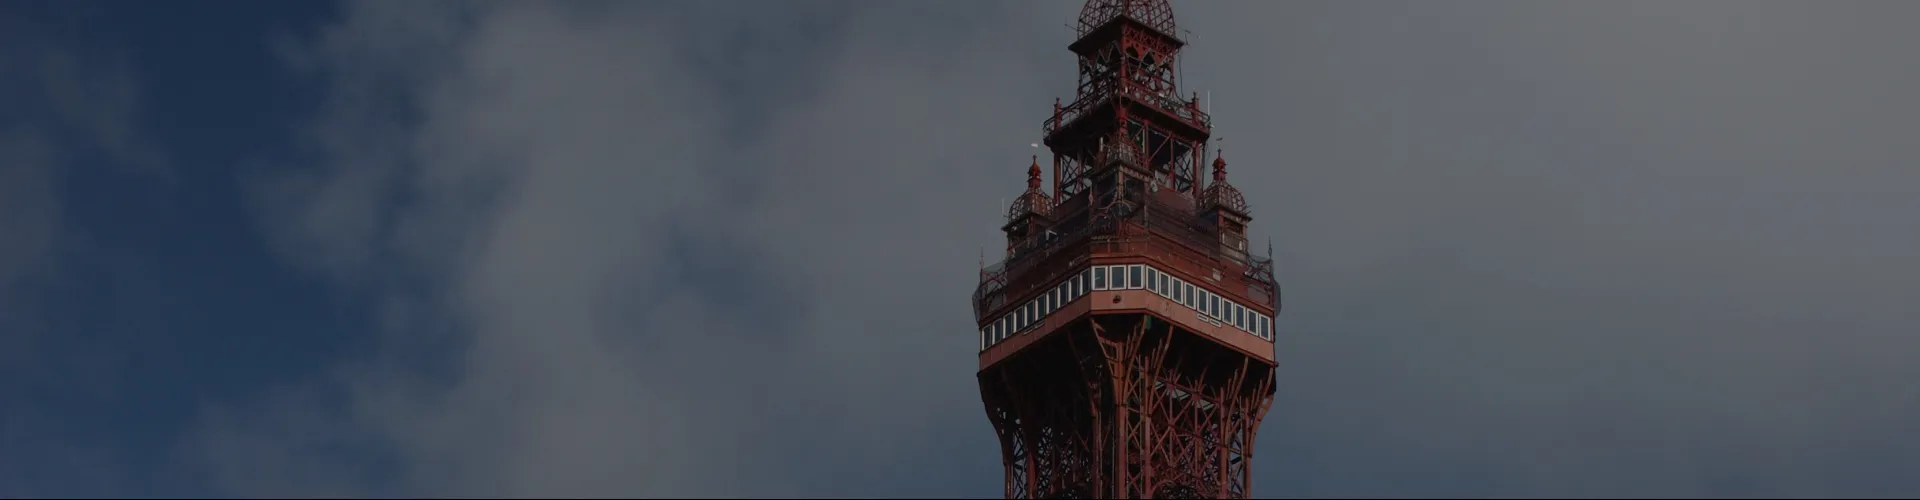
x: 160, y: 296
x: 651, y: 249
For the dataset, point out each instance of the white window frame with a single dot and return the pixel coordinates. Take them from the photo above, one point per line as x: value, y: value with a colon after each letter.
x: 1152, y: 275
x: 1100, y: 278
x: 1136, y: 271
x: 1186, y: 292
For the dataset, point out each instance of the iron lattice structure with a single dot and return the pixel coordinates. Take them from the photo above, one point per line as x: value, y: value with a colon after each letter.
x: 1127, y: 339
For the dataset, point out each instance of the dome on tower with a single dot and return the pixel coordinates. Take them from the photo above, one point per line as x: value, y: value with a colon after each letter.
x: 1156, y: 14
x: 1221, y: 194
x: 1034, y: 201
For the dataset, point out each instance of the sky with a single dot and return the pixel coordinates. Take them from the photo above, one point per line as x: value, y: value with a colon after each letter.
x: 724, y: 248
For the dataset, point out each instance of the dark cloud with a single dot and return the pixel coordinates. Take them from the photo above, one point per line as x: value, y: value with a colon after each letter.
x: 1529, y: 249
x: 1629, y: 248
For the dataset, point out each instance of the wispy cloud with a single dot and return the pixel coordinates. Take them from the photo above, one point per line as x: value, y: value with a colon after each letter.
x: 65, y: 110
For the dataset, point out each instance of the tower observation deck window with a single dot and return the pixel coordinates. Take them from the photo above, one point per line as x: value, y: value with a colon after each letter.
x: 1217, y: 309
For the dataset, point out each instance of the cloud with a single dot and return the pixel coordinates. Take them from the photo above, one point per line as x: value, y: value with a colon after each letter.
x: 1528, y: 249
x: 1625, y: 249
x: 69, y: 111
x: 635, y: 266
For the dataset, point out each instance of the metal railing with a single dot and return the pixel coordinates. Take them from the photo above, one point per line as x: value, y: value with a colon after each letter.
x: 1186, y: 110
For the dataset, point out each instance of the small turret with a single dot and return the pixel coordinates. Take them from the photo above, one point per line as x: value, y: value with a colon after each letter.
x: 1224, y: 209
x: 1027, y: 217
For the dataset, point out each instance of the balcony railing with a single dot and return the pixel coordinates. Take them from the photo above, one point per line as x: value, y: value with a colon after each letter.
x: 1186, y: 110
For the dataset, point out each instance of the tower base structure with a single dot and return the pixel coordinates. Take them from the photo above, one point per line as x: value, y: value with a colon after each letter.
x: 1126, y: 406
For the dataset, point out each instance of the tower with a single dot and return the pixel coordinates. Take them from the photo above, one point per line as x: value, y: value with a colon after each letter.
x: 1126, y: 342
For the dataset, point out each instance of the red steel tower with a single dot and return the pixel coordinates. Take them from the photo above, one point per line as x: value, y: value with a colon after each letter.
x: 1126, y: 343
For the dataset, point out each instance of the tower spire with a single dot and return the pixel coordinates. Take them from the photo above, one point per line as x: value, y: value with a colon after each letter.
x: 1219, y: 167
x: 1033, y: 174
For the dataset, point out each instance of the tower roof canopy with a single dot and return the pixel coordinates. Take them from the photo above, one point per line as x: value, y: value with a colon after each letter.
x: 1156, y: 14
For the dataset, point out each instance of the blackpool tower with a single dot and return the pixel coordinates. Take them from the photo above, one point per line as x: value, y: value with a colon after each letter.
x: 1126, y: 342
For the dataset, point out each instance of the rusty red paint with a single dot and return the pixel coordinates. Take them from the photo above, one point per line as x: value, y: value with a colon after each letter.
x: 1116, y: 394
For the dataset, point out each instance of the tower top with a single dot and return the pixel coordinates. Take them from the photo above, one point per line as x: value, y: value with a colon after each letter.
x: 1156, y: 14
